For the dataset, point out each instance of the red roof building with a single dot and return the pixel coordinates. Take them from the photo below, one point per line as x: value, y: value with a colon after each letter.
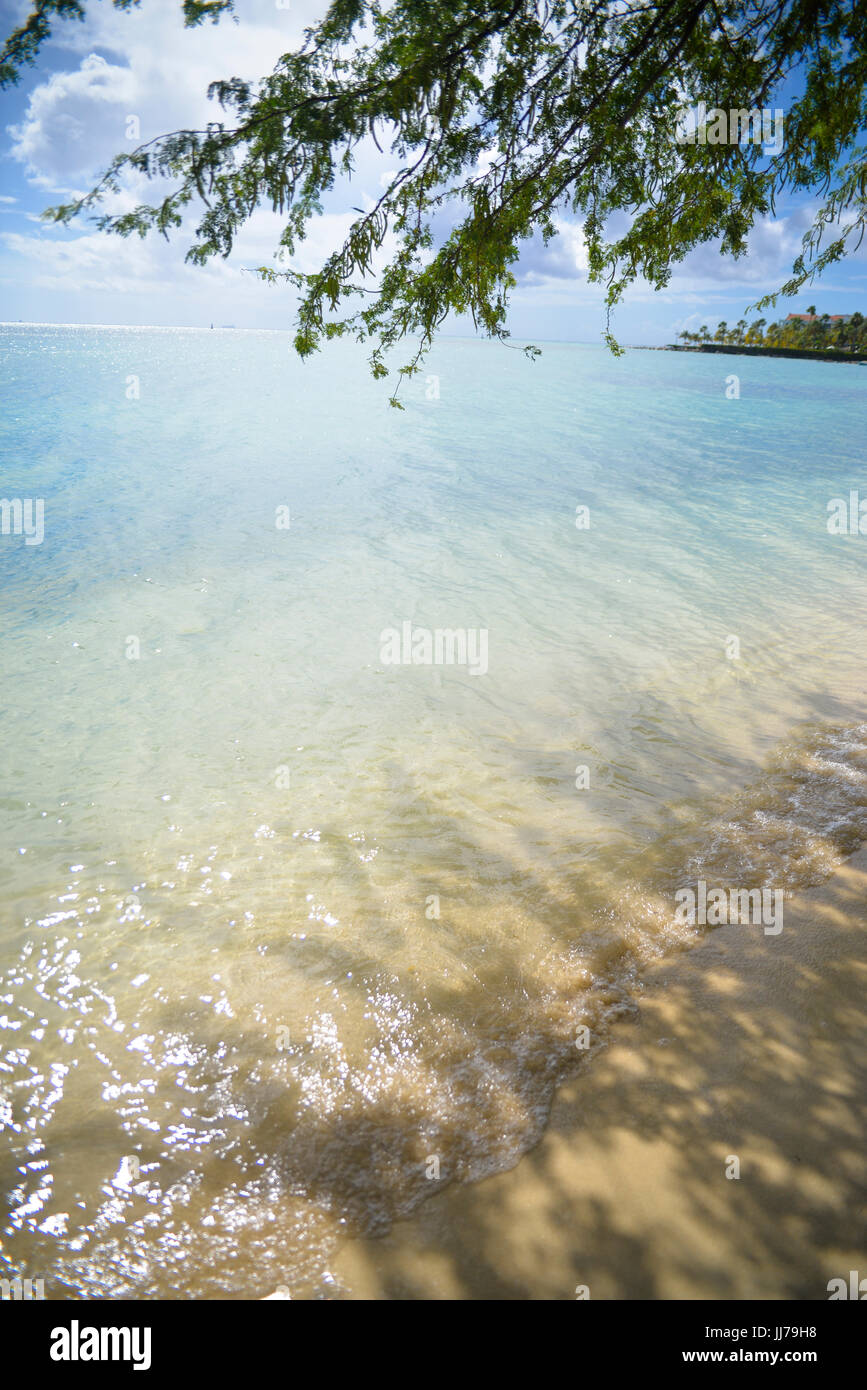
x: 814, y: 318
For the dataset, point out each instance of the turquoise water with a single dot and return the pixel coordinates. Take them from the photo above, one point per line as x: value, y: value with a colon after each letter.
x: 280, y: 922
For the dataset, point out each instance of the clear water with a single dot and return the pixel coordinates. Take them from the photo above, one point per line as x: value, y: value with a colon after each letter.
x: 233, y: 1030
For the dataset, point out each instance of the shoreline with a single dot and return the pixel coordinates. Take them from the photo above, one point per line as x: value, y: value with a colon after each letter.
x: 743, y: 350
x: 743, y: 1046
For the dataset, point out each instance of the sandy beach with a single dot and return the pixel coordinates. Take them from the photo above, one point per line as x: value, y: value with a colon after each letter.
x: 746, y: 1046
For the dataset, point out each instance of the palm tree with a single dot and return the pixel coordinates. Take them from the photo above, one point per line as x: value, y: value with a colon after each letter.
x: 822, y: 331
x: 803, y: 335
x: 793, y: 333
x: 721, y: 332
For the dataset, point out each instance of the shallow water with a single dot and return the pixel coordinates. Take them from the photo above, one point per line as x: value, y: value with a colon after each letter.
x: 235, y: 1029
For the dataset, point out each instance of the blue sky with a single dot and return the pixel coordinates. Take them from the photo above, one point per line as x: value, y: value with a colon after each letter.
x: 69, y: 116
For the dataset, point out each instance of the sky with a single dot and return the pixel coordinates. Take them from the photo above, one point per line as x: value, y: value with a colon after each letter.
x: 70, y: 115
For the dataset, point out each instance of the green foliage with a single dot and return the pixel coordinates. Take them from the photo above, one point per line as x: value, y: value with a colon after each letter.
x: 501, y: 116
x: 842, y: 333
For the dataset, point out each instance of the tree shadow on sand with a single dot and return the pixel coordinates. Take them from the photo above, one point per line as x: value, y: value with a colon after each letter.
x: 748, y: 1046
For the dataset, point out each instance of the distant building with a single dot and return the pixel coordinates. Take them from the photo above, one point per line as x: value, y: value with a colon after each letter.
x: 814, y: 318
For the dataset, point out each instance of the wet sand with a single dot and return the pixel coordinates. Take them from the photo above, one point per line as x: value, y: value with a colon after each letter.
x: 746, y: 1046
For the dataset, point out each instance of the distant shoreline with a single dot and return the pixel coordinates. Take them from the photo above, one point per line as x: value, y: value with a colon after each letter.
x: 816, y: 354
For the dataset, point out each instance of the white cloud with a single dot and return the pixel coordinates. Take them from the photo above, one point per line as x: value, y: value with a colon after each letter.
x: 158, y: 71
x: 67, y: 124
x: 94, y: 263
x: 564, y: 258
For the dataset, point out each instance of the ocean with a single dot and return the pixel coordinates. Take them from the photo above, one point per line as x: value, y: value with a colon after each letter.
x: 353, y: 759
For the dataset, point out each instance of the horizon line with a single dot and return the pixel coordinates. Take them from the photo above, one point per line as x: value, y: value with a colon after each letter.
x: 235, y: 328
